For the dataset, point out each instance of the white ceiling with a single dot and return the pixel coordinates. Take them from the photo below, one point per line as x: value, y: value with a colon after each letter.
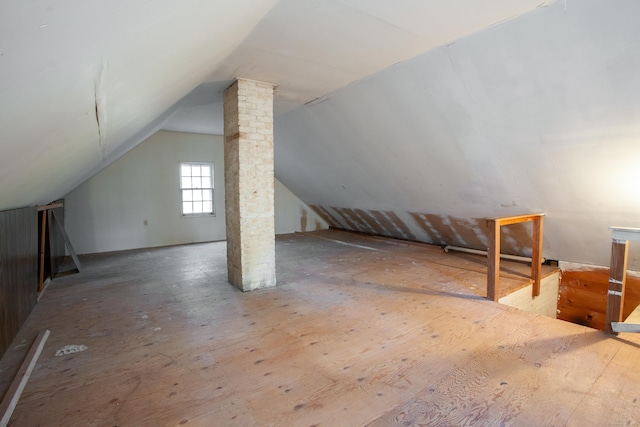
x: 311, y: 48
x: 82, y: 82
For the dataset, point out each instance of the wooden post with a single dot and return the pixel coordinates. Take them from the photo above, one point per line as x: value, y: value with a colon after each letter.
x: 617, y: 278
x: 42, y: 248
x: 536, y: 254
x: 493, y: 253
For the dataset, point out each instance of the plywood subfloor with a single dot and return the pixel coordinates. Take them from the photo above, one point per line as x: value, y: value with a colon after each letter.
x: 359, y: 331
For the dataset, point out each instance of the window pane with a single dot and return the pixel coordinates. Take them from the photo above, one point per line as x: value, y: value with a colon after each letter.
x: 196, y: 184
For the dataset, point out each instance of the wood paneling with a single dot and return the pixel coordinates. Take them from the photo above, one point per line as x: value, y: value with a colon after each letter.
x: 18, y: 270
x: 582, y: 297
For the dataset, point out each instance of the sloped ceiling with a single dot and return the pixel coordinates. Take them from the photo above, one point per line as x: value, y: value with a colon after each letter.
x: 411, y: 117
x: 311, y: 48
x: 83, y: 81
x: 539, y: 114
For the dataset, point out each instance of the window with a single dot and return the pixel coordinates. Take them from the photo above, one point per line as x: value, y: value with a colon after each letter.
x: 196, y: 186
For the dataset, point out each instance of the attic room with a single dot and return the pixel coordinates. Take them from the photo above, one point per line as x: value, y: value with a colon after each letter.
x: 320, y: 212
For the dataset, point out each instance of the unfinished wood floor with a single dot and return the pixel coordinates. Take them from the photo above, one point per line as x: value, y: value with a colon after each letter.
x: 359, y: 331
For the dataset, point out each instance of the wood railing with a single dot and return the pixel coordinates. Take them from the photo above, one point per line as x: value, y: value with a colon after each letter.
x: 493, y: 274
x: 618, y: 278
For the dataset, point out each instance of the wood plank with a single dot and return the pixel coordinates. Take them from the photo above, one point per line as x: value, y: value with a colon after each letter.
x: 493, y: 261
x: 582, y: 296
x: 44, y: 208
x: 583, y: 299
x: 536, y: 254
x: 581, y: 316
x: 12, y: 396
x: 43, y: 242
x: 516, y: 218
x: 617, y: 280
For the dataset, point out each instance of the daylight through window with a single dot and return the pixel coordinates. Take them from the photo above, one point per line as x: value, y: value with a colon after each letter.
x: 196, y: 185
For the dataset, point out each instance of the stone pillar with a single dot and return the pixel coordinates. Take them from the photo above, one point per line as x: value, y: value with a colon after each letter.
x: 249, y: 181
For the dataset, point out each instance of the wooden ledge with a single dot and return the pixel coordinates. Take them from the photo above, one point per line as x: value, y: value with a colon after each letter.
x: 507, y: 220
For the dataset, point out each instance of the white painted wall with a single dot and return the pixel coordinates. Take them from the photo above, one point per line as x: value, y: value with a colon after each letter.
x: 537, y: 114
x: 108, y: 211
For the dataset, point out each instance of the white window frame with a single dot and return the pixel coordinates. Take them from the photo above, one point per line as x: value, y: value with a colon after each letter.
x: 192, y: 188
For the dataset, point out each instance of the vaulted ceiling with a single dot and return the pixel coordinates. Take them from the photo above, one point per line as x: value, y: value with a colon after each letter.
x: 413, y: 117
x: 81, y: 82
